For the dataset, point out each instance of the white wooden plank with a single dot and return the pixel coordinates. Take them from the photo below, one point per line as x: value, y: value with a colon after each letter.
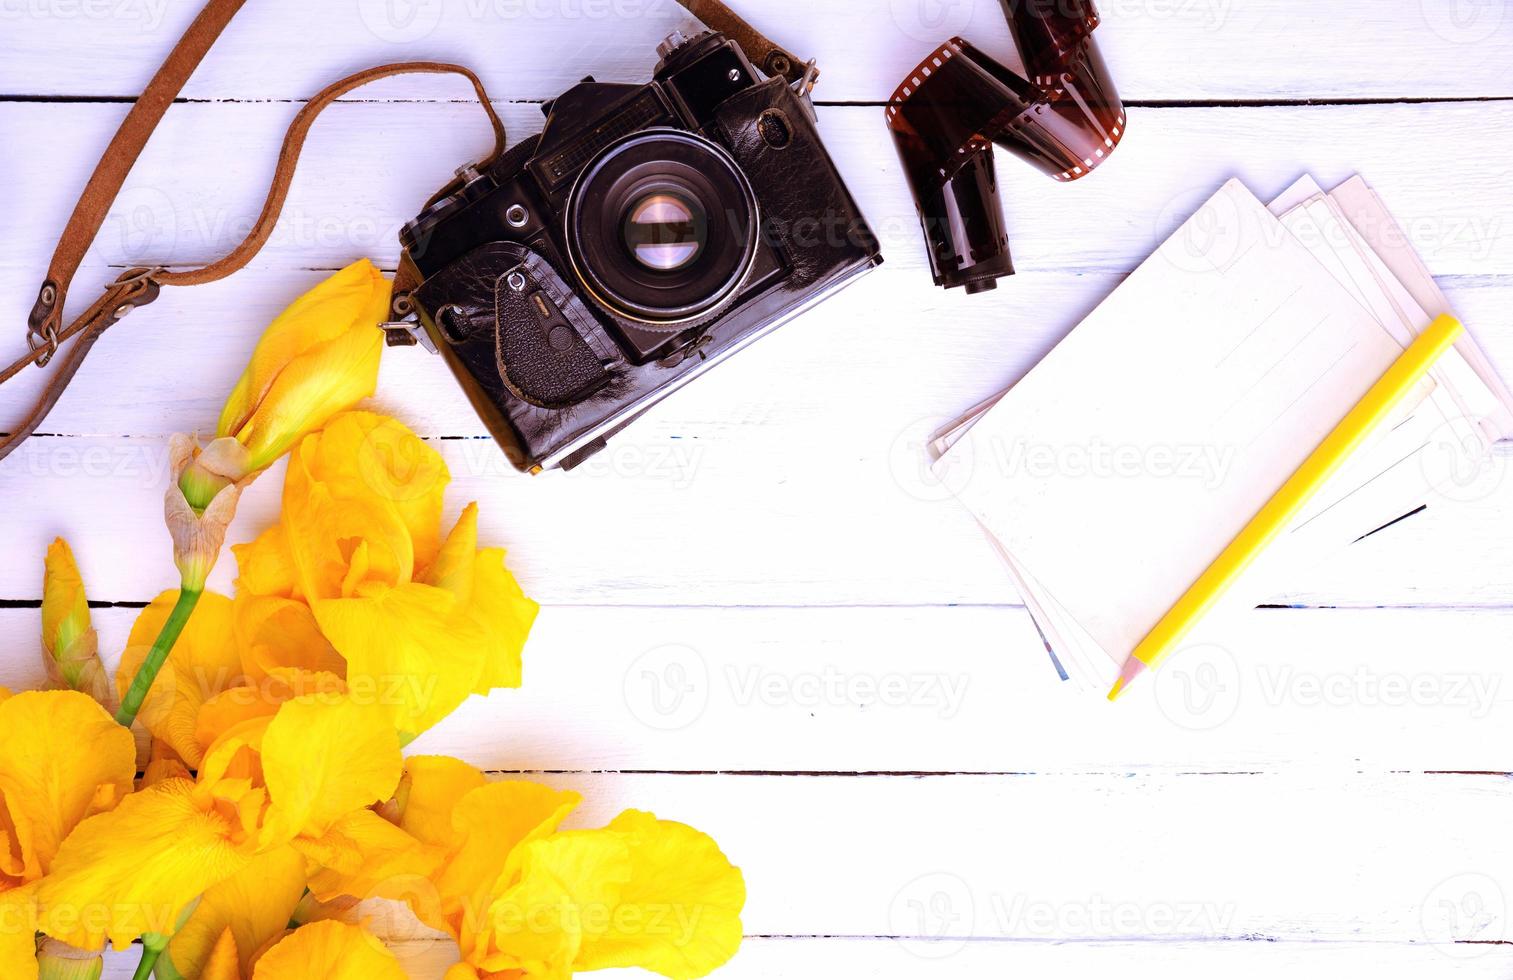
x: 972, y: 689
x: 1336, y: 857
x: 963, y: 690
x: 201, y: 181
x: 1158, y: 49
x: 752, y: 517
x: 1071, y: 858
x: 887, y: 959
x: 1333, y: 856
x: 890, y: 353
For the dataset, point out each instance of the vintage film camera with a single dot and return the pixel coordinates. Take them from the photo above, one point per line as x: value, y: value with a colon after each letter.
x: 647, y: 233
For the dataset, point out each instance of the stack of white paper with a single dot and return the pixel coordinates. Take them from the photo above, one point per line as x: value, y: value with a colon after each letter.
x: 1111, y: 475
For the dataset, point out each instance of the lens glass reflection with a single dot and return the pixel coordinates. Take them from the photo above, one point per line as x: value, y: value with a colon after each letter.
x: 664, y: 231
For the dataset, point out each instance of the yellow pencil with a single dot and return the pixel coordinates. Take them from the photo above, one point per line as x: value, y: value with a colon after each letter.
x: 1289, y: 501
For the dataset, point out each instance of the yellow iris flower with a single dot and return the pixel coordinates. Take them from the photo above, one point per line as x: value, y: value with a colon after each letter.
x: 419, y: 621
x: 301, y: 778
x: 62, y: 760
x: 240, y: 915
x: 527, y: 901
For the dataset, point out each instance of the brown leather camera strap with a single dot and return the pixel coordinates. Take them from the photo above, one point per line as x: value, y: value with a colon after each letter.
x: 48, y: 337
x: 773, y: 59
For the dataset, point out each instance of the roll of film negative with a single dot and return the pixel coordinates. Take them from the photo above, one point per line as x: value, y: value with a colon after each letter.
x: 949, y: 112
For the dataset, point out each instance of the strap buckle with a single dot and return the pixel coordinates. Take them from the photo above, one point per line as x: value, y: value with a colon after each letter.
x: 48, y: 338
x: 407, y: 333
x: 805, y: 83
x: 133, y: 288
x: 138, y: 287
x: 42, y: 324
x: 404, y: 328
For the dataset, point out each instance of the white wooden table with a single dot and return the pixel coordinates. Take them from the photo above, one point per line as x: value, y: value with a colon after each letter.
x: 786, y: 636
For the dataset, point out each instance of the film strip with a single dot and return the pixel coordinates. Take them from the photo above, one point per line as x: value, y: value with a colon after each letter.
x: 1048, y: 33
x: 958, y: 102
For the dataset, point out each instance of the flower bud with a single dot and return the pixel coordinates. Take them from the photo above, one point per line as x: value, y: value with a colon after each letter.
x: 198, y: 526
x: 317, y: 359
x: 60, y: 961
x: 71, y: 648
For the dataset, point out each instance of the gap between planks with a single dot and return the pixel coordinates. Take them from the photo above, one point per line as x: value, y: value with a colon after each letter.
x: 971, y: 774
x: 824, y: 103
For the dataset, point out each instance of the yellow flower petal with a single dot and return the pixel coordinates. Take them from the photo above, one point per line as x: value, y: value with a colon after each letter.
x: 428, y: 794
x: 418, y: 627
x: 204, y: 662
x: 378, y: 467
x: 364, y: 856
x: 237, y: 754
x: 135, y: 869
x: 164, y: 763
x: 324, y: 757
x: 252, y: 906
x: 567, y: 884
x: 261, y: 700
x: 493, y: 600
x: 489, y: 825
x: 318, y: 358
x: 18, y: 933
x: 329, y: 950
x: 61, y: 758
x: 273, y: 632
x: 224, y: 962
x: 413, y: 649
x: 680, y: 913
x: 344, y: 546
x: 265, y: 566
x: 505, y: 615
x: 315, y: 317
x: 453, y: 568
x: 318, y: 384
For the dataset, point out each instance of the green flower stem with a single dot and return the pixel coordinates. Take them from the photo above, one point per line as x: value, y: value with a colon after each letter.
x: 156, y: 657
x: 152, y: 948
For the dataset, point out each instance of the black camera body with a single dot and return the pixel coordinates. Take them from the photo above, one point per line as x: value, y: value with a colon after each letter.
x: 648, y: 232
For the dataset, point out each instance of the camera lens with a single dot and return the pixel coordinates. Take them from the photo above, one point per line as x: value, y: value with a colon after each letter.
x: 661, y: 228
x: 665, y: 230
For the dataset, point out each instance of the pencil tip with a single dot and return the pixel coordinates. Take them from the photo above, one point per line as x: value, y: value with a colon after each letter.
x: 1132, y: 669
